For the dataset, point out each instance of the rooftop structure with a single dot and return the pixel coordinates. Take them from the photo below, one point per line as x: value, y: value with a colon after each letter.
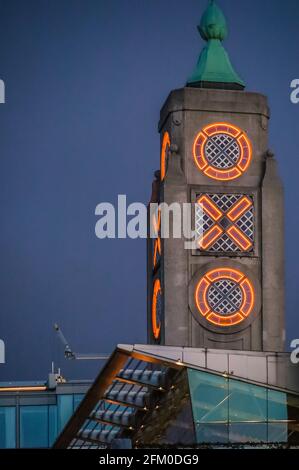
x: 32, y: 414
x: 163, y: 396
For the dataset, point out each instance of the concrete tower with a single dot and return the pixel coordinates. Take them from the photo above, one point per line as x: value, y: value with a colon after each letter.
x: 227, y: 292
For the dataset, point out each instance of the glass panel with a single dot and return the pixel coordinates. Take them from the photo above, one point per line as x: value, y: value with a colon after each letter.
x: 277, y: 406
x: 232, y: 411
x: 212, y: 433
x: 53, y: 424
x: 7, y: 427
x: 172, y: 423
x: 293, y: 416
x: 65, y: 410
x: 247, y: 402
x: 77, y: 400
x: 180, y: 429
x: 209, y: 396
x: 247, y: 433
x: 33, y: 426
x: 278, y: 432
x: 293, y: 407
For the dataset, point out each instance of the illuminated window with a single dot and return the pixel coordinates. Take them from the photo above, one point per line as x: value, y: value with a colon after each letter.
x: 157, y: 309
x: 164, y: 154
x: 224, y: 297
x: 225, y: 223
x: 157, y: 246
x: 222, y: 151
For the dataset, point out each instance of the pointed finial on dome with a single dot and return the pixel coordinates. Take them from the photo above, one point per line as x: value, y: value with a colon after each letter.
x: 214, y: 69
x: 213, y: 23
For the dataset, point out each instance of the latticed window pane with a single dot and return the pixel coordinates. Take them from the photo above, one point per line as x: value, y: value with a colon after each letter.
x: 222, y: 151
x: 225, y: 297
x: 245, y: 223
x: 225, y: 223
x: 159, y: 308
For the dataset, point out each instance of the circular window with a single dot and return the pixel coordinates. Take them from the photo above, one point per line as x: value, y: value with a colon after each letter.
x: 224, y: 297
x: 222, y: 151
x: 157, y: 309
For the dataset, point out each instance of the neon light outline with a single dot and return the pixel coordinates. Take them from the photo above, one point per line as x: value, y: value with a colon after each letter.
x: 204, y: 308
x: 234, y: 132
x: 155, y: 327
x: 165, y: 143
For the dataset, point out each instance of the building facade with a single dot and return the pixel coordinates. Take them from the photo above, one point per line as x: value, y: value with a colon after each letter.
x: 165, y: 396
x: 226, y: 292
x: 214, y: 373
x: 33, y: 414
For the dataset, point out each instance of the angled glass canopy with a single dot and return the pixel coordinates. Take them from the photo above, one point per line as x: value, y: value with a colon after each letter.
x: 145, y: 399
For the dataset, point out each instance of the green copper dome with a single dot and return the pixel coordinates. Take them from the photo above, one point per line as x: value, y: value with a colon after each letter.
x: 214, y: 69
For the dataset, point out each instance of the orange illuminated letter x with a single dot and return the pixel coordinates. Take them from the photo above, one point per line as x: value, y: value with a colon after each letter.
x: 230, y: 219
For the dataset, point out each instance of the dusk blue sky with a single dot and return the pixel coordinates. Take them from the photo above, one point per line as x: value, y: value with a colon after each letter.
x: 85, y: 80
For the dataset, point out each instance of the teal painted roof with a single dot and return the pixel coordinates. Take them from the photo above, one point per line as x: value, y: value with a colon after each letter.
x: 214, y: 65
